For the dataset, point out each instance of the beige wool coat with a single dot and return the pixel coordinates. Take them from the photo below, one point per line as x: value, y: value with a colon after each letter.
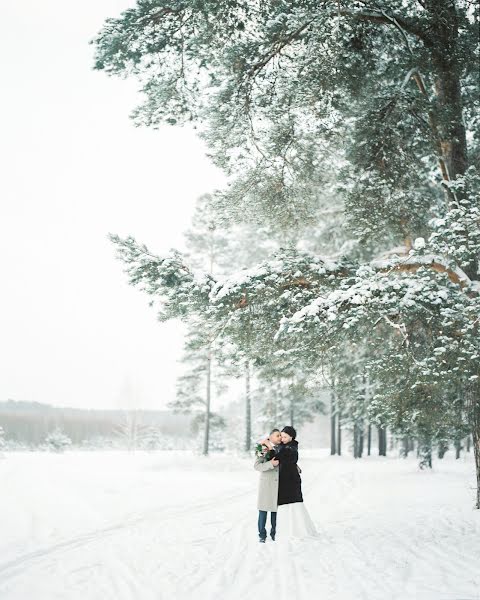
x: 268, y: 485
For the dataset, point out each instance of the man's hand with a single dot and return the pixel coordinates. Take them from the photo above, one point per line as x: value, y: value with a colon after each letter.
x: 275, y: 462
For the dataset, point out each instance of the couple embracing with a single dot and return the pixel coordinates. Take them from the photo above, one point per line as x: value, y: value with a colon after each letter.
x: 280, y: 487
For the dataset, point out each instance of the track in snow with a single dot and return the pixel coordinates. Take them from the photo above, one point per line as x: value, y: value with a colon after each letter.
x: 369, y: 548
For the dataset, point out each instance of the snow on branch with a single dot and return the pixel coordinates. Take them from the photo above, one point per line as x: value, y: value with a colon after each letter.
x: 380, y: 16
x: 413, y: 262
x: 178, y: 289
x: 370, y: 295
x: 287, y: 269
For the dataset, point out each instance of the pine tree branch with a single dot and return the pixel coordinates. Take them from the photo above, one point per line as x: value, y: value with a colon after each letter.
x: 294, y: 35
x: 374, y: 16
x: 381, y: 17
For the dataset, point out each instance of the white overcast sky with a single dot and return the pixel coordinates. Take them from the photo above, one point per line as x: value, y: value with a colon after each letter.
x: 72, y: 332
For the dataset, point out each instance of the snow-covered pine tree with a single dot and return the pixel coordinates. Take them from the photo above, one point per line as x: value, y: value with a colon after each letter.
x: 215, y: 250
x: 131, y: 429
x: 268, y: 80
x: 206, y: 244
x: 287, y: 401
x: 218, y: 424
x: 347, y: 365
x: 288, y: 387
x: 284, y: 90
x: 198, y: 383
x: 150, y: 438
x: 57, y: 440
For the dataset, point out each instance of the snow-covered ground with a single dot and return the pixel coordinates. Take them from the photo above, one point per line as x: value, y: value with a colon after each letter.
x: 172, y: 525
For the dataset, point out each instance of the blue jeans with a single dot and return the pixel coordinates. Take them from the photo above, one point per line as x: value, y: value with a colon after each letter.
x: 262, y: 522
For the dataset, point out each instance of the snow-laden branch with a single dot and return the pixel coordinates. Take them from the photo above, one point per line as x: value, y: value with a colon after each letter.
x: 288, y: 269
x: 413, y: 262
x: 168, y: 279
x: 381, y: 17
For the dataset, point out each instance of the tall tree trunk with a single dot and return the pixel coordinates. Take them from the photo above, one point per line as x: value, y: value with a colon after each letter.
x: 333, y: 441
x: 360, y: 439
x: 447, y: 72
x: 248, y: 409
x: 405, y: 446
x: 473, y: 396
x: 425, y: 450
x: 382, y: 441
x: 458, y: 448
x: 339, y: 433
x: 369, y: 439
x: 355, y: 440
x: 206, y: 436
x: 442, y: 448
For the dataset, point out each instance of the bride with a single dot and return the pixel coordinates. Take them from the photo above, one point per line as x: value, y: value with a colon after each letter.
x: 292, y: 516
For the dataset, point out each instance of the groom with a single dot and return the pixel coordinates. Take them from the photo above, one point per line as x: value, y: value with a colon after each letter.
x: 268, y: 485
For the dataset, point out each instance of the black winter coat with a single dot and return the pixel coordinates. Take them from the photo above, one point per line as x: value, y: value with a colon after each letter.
x: 289, y: 482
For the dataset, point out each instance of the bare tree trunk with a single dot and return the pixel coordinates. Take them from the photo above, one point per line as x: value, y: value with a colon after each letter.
x: 339, y: 433
x: 333, y: 441
x: 405, y: 446
x: 206, y: 437
x: 442, y: 449
x: 358, y: 439
x: 361, y: 436
x: 425, y: 450
x: 446, y: 61
x: 475, y: 409
x: 248, y: 409
x: 355, y: 440
x: 382, y: 441
x: 458, y: 448
x: 369, y: 439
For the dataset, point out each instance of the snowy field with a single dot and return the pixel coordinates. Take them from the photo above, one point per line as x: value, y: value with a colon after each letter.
x: 171, y: 525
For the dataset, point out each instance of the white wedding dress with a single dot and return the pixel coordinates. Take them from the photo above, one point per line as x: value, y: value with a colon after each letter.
x: 293, y: 521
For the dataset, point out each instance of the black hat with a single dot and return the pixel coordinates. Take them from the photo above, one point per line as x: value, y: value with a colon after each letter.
x: 290, y: 430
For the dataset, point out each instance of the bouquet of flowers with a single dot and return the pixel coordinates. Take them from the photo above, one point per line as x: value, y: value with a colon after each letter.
x: 262, y: 451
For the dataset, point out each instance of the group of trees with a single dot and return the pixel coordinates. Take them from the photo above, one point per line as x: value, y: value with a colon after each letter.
x: 127, y: 435
x: 55, y: 441
x: 350, y: 131
x: 213, y: 360
x: 34, y: 425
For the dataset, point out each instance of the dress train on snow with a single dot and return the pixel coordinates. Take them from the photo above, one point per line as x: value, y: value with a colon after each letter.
x: 293, y: 520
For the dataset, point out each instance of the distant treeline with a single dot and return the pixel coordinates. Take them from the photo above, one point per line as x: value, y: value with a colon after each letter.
x: 30, y: 422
